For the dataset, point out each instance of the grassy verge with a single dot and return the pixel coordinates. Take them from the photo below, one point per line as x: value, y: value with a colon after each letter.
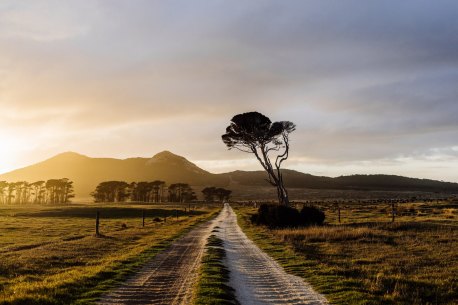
x: 50, y: 255
x: 212, y: 288
x: 368, y: 263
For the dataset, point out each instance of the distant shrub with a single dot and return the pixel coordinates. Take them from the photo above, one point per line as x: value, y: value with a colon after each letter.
x: 157, y: 219
x: 280, y: 216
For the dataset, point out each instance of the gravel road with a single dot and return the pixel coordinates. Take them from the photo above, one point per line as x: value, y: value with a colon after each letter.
x: 170, y: 277
x: 255, y: 276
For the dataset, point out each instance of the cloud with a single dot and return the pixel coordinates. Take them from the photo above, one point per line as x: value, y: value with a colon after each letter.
x: 368, y: 82
x: 44, y: 21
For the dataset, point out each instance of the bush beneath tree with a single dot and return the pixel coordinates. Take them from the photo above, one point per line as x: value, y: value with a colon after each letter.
x: 280, y: 216
x: 311, y: 215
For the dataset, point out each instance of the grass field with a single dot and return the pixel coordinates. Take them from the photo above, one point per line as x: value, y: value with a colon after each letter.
x: 49, y: 255
x: 369, y: 260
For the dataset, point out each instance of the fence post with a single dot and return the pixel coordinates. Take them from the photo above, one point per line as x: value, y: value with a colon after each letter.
x: 392, y: 212
x: 97, y: 222
x: 337, y: 205
x: 143, y: 218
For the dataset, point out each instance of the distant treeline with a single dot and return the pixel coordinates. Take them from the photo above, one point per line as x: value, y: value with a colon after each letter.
x: 155, y: 192
x: 52, y: 191
x: 212, y: 194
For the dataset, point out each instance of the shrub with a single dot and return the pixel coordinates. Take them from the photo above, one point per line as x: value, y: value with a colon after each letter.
x: 311, y: 215
x: 280, y: 216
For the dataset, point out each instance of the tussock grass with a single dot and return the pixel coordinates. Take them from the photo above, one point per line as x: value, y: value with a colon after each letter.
x: 213, y: 288
x: 51, y: 256
x: 409, y: 262
x: 328, y: 234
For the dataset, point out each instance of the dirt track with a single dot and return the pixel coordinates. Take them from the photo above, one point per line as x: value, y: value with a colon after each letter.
x: 257, y: 278
x: 170, y: 277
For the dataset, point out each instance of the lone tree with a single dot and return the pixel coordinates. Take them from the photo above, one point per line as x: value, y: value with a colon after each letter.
x: 253, y: 132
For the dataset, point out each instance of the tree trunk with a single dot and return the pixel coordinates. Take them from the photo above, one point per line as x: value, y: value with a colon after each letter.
x: 284, y: 199
x: 282, y: 193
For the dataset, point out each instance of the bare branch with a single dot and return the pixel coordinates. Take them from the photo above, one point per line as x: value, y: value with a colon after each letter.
x: 254, y: 133
x: 244, y: 150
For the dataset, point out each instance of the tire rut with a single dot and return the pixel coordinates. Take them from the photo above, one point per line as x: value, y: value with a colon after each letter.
x: 170, y: 277
x: 255, y: 276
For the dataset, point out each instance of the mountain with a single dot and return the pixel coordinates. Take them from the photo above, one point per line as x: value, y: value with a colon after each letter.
x: 87, y: 172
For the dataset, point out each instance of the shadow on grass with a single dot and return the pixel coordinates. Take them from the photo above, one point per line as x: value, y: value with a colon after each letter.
x: 108, y: 212
x: 396, y: 226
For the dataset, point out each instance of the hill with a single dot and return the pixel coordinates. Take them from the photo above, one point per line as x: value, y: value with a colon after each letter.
x: 295, y: 179
x: 87, y: 172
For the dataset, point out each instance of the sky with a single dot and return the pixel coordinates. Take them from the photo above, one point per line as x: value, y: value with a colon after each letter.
x: 371, y: 85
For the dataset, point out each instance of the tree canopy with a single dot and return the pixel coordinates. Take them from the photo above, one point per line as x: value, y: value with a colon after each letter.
x: 52, y: 191
x: 253, y: 132
x: 211, y: 193
x: 181, y: 192
x: 144, y: 191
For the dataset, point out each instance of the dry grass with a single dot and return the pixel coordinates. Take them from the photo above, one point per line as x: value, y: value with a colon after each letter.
x: 412, y: 261
x: 51, y: 256
x: 328, y: 234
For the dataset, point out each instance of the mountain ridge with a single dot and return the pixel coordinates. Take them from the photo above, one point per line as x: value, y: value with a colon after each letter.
x: 87, y: 172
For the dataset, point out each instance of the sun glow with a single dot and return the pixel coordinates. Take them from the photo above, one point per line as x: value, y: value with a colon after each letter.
x: 10, y: 151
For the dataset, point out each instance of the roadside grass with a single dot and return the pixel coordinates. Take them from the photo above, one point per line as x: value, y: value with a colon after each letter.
x: 49, y: 255
x: 409, y: 262
x: 212, y: 288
